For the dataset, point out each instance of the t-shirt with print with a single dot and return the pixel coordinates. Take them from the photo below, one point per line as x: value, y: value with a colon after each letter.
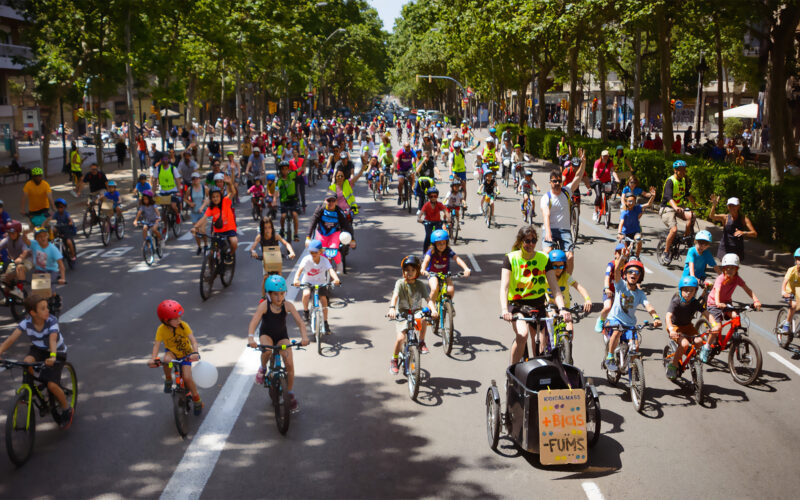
x: 559, y: 208
x: 432, y: 213
x: 630, y: 220
x: 411, y: 296
x: 726, y: 288
x: 453, y: 198
x: 176, y: 340
x: 315, y: 273
x: 41, y: 338
x: 623, y: 312
x: 700, y: 260
x: 439, y: 263
x: 564, y: 282
x: 45, y: 258
x: 683, y: 312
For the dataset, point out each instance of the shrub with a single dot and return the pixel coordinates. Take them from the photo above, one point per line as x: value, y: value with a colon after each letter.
x: 733, y: 127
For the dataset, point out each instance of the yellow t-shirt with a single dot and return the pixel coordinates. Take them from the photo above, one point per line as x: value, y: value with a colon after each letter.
x: 564, y: 282
x: 176, y: 341
x: 793, y: 280
x: 37, y: 195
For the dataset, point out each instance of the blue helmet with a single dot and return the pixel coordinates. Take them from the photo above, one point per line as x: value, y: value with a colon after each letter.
x: 270, y: 177
x: 315, y: 246
x: 432, y: 190
x: 679, y: 164
x: 112, y: 183
x: 275, y: 283
x: 620, y: 247
x: 797, y: 253
x: 62, y: 201
x: 439, y: 235
x: 703, y: 236
x: 492, y: 130
x: 557, y: 256
x: 688, y: 281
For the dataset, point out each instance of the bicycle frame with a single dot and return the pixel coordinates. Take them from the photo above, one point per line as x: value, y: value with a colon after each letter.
x: 734, y: 324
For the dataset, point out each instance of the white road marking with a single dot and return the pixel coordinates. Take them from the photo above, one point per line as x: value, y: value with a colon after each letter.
x: 197, y: 464
x: 592, y: 490
x: 90, y: 254
x: 83, y: 307
x: 474, y: 262
x: 142, y: 266
x: 186, y: 237
x: 785, y: 363
x: 117, y: 252
x: 647, y: 270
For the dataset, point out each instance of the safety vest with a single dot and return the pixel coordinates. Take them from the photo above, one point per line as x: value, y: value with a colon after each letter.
x: 302, y: 147
x: 445, y: 144
x: 166, y: 179
x: 563, y: 148
x: 459, y: 162
x: 347, y: 192
x: 489, y: 154
x: 288, y: 187
x: 528, y: 279
x: 678, y: 189
x: 279, y: 151
x: 75, y: 161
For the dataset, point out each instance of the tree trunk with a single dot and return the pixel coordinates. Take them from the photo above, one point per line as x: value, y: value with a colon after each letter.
x: 47, y: 122
x: 637, y: 89
x: 521, y: 97
x: 601, y: 69
x: 720, y: 76
x: 191, y: 90
x: 542, y: 87
x: 663, y: 43
x: 573, y: 77
x: 780, y: 41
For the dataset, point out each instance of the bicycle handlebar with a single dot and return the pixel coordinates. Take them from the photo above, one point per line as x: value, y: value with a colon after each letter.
x: 155, y: 363
x: 11, y: 364
x: 310, y: 286
x: 279, y: 347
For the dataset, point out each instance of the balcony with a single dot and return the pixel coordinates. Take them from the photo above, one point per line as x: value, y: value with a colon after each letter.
x: 11, y: 56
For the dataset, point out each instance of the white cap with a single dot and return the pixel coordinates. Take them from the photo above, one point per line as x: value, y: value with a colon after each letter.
x: 195, y: 175
x: 733, y: 201
x: 490, y: 139
x: 219, y: 177
x: 604, y: 153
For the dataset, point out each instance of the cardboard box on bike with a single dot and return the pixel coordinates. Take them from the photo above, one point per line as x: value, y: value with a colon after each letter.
x: 273, y: 263
x: 41, y: 285
x: 163, y: 200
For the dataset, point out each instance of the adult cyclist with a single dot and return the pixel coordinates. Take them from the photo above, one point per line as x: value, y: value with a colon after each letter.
x: 403, y: 164
x: 556, y: 205
x: 673, y: 200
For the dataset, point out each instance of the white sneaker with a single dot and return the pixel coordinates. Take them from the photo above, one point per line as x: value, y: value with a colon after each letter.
x: 594, y: 216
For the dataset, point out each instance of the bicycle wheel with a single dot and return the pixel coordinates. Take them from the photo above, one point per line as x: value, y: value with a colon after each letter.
x: 697, y: 380
x: 20, y: 429
x: 447, y: 327
x: 492, y: 418
x: 316, y: 327
x: 148, y: 252
x: 254, y: 212
x: 68, y: 253
x: 88, y: 220
x: 177, y: 228
x: 105, y: 230
x: 637, y: 383
x: 414, y: 371
x: 180, y: 411
x: 159, y: 246
x: 744, y: 361
x: 785, y: 338
x: 607, y: 213
x: 226, y: 276
x: 408, y: 197
x: 119, y: 230
x: 592, y: 418
x: 283, y: 409
x: 663, y: 258
x: 612, y: 377
x: 575, y: 220
x: 668, y: 353
x: 70, y: 385
x: 207, y: 276
x: 565, y: 348
x: 374, y: 190
x: 456, y: 226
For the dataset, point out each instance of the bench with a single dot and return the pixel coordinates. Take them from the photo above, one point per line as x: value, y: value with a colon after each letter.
x: 6, y: 174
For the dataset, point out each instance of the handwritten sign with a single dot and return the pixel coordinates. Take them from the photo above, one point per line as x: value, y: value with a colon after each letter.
x: 562, y: 427
x: 272, y: 259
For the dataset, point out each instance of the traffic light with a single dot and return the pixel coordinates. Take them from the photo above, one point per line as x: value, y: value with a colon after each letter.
x: 528, y: 103
x: 672, y: 104
x: 152, y: 109
x: 594, y: 104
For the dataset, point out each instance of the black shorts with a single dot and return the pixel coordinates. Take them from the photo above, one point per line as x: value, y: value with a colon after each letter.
x: 48, y: 373
x: 323, y: 292
x: 289, y: 207
x: 525, y: 307
x: 276, y: 338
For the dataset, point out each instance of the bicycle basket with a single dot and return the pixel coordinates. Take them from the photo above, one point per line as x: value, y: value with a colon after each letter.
x: 608, y: 187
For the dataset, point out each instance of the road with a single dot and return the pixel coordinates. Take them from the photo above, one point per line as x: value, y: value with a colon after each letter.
x: 357, y: 434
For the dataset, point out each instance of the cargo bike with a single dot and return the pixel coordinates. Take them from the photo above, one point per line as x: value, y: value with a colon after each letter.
x: 527, y: 417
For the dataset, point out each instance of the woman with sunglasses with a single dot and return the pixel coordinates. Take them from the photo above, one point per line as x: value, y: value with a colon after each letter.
x: 525, y: 277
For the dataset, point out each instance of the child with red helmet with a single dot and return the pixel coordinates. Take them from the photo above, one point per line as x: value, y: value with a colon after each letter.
x: 178, y: 342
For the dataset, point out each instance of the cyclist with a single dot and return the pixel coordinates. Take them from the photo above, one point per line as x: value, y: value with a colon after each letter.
x: 169, y: 183
x: 568, y: 175
x: 682, y: 309
x: 142, y: 185
x: 149, y: 216
x: 287, y: 188
x: 46, y: 257
x: 47, y: 344
x: 19, y: 255
x: 629, y: 226
x: 37, y: 197
x: 220, y: 209
x: 179, y: 342
x: 314, y: 269
x: 341, y: 187
x: 524, y: 277
x: 674, y: 195
x: 257, y: 193
x: 602, y: 174
x: 489, y: 158
x: 113, y: 196
x: 329, y: 220
x: 556, y: 205
x: 506, y: 150
x: 64, y: 225
x: 454, y: 200
x: 628, y: 295
x: 431, y: 212
x: 196, y: 197
x: 526, y: 187
x: 563, y: 150
x: 791, y: 281
x: 437, y: 260
x: 517, y: 159
x: 374, y: 174
x: 558, y: 261
x: 271, y: 195
x: 720, y: 296
x: 403, y: 163
x: 267, y: 237
x: 410, y: 294
x: 488, y: 189
x: 457, y: 162
x: 699, y: 257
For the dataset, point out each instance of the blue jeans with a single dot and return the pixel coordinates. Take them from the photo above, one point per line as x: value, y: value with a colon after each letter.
x: 562, y: 236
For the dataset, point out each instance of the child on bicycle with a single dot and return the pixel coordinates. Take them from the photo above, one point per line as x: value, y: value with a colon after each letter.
x: 526, y: 187
x: 257, y: 192
x: 682, y: 309
x: 46, y: 257
x: 267, y: 237
x: 628, y: 295
x: 409, y: 295
x: 141, y: 186
x: 179, y: 342
x: 271, y: 315
x: 373, y: 171
x: 454, y: 200
x: 112, y: 195
x: 720, y: 297
x: 64, y: 225
x: 699, y: 257
x: 287, y: 188
x: 431, y: 212
x: 608, y: 288
x: 271, y: 196
x: 47, y: 344
x: 790, y: 283
x: 315, y: 269
x: 489, y: 190
x: 149, y: 217
x: 629, y: 226
x: 558, y: 260
x: 437, y: 260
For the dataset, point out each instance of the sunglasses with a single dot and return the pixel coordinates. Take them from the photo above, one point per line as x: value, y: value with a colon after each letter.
x: 558, y: 267
x: 529, y: 241
x: 634, y: 271
x: 432, y: 196
x: 554, y: 181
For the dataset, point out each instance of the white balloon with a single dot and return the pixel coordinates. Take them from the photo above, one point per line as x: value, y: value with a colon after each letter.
x: 345, y: 238
x: 204, y: 374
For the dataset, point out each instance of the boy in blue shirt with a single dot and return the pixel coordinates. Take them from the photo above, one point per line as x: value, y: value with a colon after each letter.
x: 46, y: 257
x: 113, y: 195
x: 699, y: 257
x: 64, y: 225
x: 629, y: 226
x: 142, y: 186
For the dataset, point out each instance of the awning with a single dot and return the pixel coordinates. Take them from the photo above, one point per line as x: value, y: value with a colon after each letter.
x: 169, y: 113
x: 746, y: 111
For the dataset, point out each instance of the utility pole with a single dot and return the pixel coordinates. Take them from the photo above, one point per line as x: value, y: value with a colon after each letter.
x: 128, y: 95
x: 698, y: 109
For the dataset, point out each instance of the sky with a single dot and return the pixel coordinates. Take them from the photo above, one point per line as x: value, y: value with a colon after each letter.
x: 388, y: 10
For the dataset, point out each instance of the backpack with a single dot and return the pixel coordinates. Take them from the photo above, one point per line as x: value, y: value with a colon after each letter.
x: 566, y: 193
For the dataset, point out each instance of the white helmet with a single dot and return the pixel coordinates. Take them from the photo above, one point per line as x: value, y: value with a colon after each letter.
x: 345, y: 238
x: 730, y: 259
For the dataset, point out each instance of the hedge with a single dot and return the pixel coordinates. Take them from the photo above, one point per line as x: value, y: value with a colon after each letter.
x: 773, y: 210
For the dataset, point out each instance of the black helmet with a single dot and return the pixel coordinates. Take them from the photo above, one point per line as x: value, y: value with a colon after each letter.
x: 283, y: 164
x: 432, y: 190
x: 411, y: 260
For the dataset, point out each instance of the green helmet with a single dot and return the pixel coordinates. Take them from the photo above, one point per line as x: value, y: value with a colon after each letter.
x: 37, y: 171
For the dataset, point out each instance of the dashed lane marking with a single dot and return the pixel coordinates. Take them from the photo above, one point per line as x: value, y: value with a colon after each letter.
x: 785, y: 363
x: 592, y: 490
x: 83, y: 307
x: 474, y: 262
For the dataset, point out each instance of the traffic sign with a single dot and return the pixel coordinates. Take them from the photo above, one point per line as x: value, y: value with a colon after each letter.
x: 469, y: 91
x: 678, y: 104
x: 465, y: 101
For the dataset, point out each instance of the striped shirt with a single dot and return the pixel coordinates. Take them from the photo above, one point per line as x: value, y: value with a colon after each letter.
x: 41, y: 338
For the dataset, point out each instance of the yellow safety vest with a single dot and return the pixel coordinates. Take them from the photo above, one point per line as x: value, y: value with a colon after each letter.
x: 459, y: 162
x: 75, y: 161
x: 166, y: 179
x: 347, y: 192
x: 528, y: 279
x: 678, y: 189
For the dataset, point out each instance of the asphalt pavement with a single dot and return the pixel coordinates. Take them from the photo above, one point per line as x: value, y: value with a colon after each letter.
x: 357, y: 433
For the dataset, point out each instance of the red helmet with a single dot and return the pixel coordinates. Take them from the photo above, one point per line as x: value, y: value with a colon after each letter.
x: 14, y: 225
x: 638, y: 265
x: 169, y: 309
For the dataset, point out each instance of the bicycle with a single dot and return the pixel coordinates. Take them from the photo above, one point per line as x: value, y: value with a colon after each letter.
x: 607, y: 190
x: 528, y: 208
x: 407, y: 191
x: 61, y: 241
x: 410, y: 354
x: 553, y: 348
x: 169, y: 216
x: 214, y: 264
x: 486, y: 209
x: 447, y: 311
x: 629, y: 360
x: 690, y: 360
x: 785, y: 338
x: 632, y: 244
x: 107, y: 226
x: 276, y: 382
x: 575, y: 215
x: 14, y: 294
x: 743, y: 351
x: 149, y: 248
x: 90, y: 217
x: 21, y: 420
x: 680, y: 246
x: 454, y: 226
x: 182, y: 404
x: 257, y: 208
x: 316, y: 315
x: 562, y: 338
